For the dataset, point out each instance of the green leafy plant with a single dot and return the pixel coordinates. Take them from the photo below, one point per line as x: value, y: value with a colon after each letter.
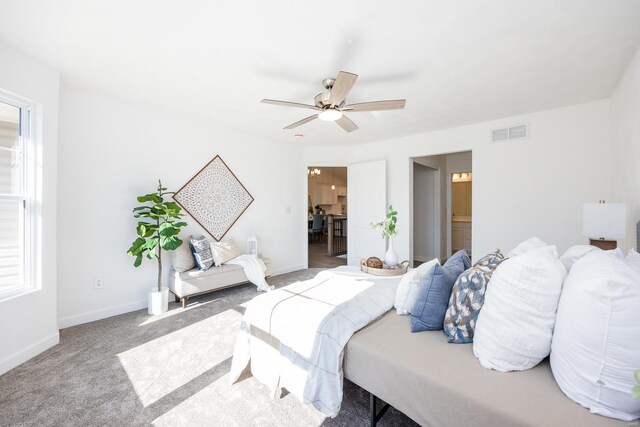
x: 635, y: 391
x: 388, y: 225
x: 158, y: 230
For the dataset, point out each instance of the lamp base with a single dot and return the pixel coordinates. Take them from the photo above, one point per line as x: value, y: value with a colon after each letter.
x: 605, y: 245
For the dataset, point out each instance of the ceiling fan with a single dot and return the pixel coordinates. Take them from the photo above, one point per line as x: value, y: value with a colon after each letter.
x: 332, y: 105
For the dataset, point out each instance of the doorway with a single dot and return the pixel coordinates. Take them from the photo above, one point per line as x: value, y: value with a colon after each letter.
x: 461, y: 197
x: 442, y: 200
x: 327, y: 216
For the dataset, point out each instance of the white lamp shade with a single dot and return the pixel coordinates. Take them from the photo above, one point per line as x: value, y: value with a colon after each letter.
x: 604, y: 220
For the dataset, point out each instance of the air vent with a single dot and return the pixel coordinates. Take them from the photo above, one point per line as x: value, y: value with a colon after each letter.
x: 500, y: 134
x: 512, y: 132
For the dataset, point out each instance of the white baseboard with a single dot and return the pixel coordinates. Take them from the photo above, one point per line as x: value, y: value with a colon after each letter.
x: 286, y: 270
x: 91, y: 316
x: 100, y: 314
x: 25, y: 354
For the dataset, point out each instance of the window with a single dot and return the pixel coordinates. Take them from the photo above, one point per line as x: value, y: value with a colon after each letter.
x: 16, y: 197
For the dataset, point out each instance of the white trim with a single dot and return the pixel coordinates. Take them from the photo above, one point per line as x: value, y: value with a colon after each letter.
x: 92, y: 316
x: 31, y: 171
x: 23, y: 355
x: 286, y: 270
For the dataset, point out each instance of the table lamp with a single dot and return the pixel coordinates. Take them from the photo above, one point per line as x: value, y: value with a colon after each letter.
x: 252, y: 246
x: 603, y: 223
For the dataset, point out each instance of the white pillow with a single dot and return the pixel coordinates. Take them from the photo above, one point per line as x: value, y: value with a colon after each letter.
x: 526, y: 246
x: 574, y: 253
x: 224, y: 251
x: 182, y: 257
x: 633, y: 258
x: 514, y: 328
x: 596, y: 342
x: 409, y: 287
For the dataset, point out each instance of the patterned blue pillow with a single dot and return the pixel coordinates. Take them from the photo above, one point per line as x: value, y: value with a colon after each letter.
x: 202, y: 252
x: 435, y: 289
x: 467, y: 298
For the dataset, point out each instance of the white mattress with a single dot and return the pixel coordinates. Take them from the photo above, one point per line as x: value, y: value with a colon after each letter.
x: 441, y: 384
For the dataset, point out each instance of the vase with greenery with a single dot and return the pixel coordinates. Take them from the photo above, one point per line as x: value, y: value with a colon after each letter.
x: 388, y: 228
x: 635, y: 391
x: 158, y: 228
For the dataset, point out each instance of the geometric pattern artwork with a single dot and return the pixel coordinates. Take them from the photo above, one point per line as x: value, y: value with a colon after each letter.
x: 215, y: 198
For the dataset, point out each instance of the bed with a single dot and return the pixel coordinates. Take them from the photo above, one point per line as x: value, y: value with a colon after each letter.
x: 307, y: 336
x: 439, y: 384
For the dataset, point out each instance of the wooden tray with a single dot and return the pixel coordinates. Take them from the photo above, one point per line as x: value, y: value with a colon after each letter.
x: 398, y: 271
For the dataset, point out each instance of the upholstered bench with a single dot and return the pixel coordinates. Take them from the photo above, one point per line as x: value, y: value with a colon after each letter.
x: 196, y: 282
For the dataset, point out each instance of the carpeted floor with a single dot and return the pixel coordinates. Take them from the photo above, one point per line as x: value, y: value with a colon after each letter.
x: 170, y: 370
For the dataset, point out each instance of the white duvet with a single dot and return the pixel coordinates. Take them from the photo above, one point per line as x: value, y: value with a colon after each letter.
x: 295, y: 336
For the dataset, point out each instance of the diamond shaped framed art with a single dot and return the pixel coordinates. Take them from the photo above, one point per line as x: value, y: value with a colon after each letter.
x: 215, y: 198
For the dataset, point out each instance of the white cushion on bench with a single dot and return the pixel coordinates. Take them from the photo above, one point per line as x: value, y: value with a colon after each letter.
x: 196, y: 281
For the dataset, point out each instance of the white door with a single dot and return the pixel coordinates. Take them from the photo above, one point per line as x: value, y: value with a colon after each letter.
x: 426, y: 213
x: 366, y: 203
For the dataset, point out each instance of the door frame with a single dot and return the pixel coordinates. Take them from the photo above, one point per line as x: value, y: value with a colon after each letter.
x: 305, y: 193
x: 475, y: 169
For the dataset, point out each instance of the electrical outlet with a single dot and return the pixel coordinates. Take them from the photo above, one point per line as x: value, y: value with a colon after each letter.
x: 98, y: 284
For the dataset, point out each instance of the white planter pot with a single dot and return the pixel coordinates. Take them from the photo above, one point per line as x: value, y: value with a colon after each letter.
x: 391, y: 257
x: 158, y: 301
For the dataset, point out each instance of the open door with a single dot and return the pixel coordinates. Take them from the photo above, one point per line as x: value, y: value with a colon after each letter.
x: 367, y: 202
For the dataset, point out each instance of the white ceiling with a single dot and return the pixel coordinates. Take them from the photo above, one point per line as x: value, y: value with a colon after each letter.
x: 455, y: 62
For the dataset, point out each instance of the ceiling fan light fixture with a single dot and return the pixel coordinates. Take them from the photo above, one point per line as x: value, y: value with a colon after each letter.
x: 330, y: 115
x: 330, y: 104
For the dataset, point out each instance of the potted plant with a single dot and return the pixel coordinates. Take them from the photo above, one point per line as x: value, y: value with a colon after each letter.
x: 388, y: 228
x: 157, y: 230
x: 635, y: 392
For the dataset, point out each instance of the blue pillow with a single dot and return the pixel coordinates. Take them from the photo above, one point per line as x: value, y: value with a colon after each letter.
x: 467, y: 298
x: 201, y: 251
x: 435, y: 290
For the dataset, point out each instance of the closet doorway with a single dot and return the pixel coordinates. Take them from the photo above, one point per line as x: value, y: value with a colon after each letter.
x: 442, y: 199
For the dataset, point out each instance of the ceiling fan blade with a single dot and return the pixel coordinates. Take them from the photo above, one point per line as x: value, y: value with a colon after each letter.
x: 341, y: 87
x: 289, y: 104
x: 394, y: 104
x: 301, y: 122
x: 345, y: 123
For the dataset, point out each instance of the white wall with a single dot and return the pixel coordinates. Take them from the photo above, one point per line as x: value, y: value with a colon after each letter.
x: 534, y: 187
x: 28, y: 321
x: 625, y: 106
x: 112, y: 151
